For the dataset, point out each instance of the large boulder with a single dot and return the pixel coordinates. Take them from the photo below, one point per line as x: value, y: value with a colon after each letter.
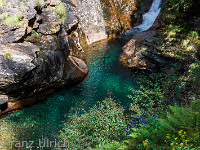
x: 41, y: 49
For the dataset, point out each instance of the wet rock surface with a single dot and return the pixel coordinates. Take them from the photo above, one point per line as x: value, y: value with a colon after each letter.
x: 41, y: 49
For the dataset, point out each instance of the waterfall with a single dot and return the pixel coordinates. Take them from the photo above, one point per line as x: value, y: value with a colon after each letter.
x: 92, y: 21
x: 148, y: 19
x: 93, y: 24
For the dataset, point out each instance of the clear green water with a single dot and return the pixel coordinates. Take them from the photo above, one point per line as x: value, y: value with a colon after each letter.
x: 107, y: 77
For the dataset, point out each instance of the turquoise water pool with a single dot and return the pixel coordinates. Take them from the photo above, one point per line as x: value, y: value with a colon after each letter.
x: 107, y: 77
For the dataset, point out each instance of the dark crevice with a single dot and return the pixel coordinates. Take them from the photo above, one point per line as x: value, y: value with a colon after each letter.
x: 73, y: 28
x: 40, y: 21
x: 4, y: 106
x: 14, y: 29
x: 39, y: 10
x: 31, y: 22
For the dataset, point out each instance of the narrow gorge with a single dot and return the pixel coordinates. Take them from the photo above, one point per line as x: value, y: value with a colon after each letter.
x: 63, y: 59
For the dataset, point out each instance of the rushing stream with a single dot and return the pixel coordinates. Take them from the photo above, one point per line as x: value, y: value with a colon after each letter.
x: 107, y: 77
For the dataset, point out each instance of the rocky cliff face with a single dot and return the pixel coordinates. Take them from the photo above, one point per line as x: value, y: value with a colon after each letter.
x: 92, y: 21
x: 40, y: 49
x: 122, y: 15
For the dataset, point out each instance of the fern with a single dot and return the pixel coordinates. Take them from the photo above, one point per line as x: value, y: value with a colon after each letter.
x: 181, y: 128
x: 186, y: 120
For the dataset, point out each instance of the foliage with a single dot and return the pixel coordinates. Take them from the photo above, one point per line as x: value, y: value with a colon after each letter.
x: 23, y: 8
x: 180, y: 7
x: 155, y: 93
x: 145, y: 100
x: 111, y: 146
x: 193, y: 35
x: 103, y: 124
x: 7, y: 55
x: 183, y: 124
x: 60, y: 10
x: 194, y: 76
x: 10, y: 19
x: 180, y: 130
x: 140, y: 131
x: 5, y: 15
x: 2, y: 3
x: 39, y: 2
x: 53, y: 30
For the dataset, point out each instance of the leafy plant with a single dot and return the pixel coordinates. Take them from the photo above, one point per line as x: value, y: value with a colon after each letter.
x: 23, y: 8
x: 60, y: 10
x: 140, y: 131
x: 103, y: 124
x: 10, y: 20
x: 155, y: 93
x: 5, y: 15
x: 111, y: 146
x: 194, y: 76
x: 7, y: 55
x: 179, y: 130
x: 53, y: 30
x: 183, y: 124
x: 180, y: 6
x: 2, y: 3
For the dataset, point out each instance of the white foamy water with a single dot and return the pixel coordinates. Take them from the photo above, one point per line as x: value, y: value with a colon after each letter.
x: 148, y: 18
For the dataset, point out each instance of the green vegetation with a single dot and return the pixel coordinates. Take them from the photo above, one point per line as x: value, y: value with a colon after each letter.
x: 34, y: 33
x: 194, y: 76
x: 39, y: 2
x: 53, y: 30
x: 5, y: 15
x: 103, y: 124
x: 23, y: 8
x: 180, y: 130
x: 13, y: 20
x: 2, y: 3
x: 60, y: 10
x: 161, y: 114
x: 7, y: 55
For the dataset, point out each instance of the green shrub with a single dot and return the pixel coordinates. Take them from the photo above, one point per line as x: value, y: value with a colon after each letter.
x: 142, y: 132
x: 5, y: 15
x: 181, y: 126
x: 155, y: 93
x: 103, y: 124
x: 146, y: 100
x: 194, y: 76
x: 60, y: 10
x: 2, y: 3
x: 180, y: 130
x: 11, y: 20
x: 111, y: 146
x: 7, y: 55
x: 180, y: 7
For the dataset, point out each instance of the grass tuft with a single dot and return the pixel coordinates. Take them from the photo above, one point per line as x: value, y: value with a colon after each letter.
x: 60, y: 10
